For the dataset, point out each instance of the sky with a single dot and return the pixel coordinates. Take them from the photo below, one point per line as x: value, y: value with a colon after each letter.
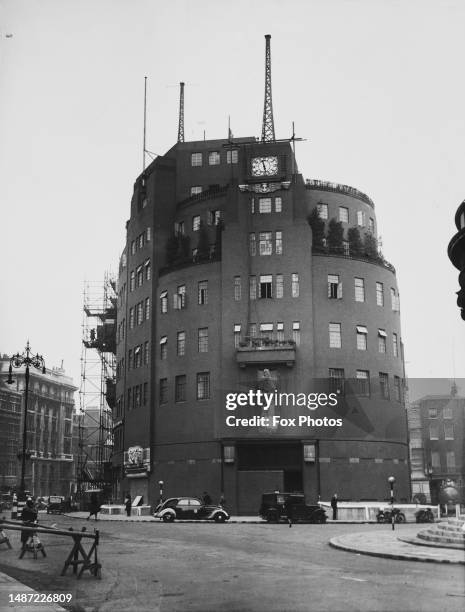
x: 375, y: 87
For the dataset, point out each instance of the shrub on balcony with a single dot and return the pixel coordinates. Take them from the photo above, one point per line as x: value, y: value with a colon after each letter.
x: 371, y: 246
x: 335, y: 235
x: 318, y: 228
x: 355, y: 242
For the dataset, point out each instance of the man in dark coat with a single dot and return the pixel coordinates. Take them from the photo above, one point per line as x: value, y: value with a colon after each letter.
x: 334, y: 506
x: 94, y: 506
x: 127, y: 504
x: 28, y: 516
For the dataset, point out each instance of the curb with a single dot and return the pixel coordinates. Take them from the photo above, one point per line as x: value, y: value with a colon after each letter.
x: 399, y: 557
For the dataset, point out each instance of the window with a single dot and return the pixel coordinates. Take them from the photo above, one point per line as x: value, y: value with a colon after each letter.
x: 264, y: 205
x: 164, y: 302
x: 146, y: 353
x: 395, y: 303
x: 196, y: 159
x: 148, y: 236
x: 278, y: 204
x: 140, y: 312
x: 448, y: 431
x: 279, y: 286
x: 232, y: 156
x: 296, y: 332
x: 432, y: 413
x: 395, y: 346
x: 435, y: 460
x: 371, y: 225
x: 196, y: 223
x: 253, y: 330
x: 203, y: 292
x: 280, y: 332
x: 213, y: 158
x: 180, y: 388
x: 252, y: 206
x: 450, y: 459
x: 179, y: 228
x: 346, y: 248
x: 237, y: 288
x: 147, y: 309
x: 295, y: 285
x: 214, y: 217
x: 148, y: 270
x: 139, y: 276
x: 237, y: 335
x: 203, y: 340
x: 336, y: 380
x: 335, y: 335
x: 179, y: 298
x: 363, y: 382
x: 163, y: 347
x: 334, y: 287
x: 144, y: 397
x: 133, y: 247
x: 362, y: 334
x: 384, y: 385
x: 433, y: 431
x: 266, y: 330
x: 265, y: 243
x: 381, y: 341
x: 129, y: 399
x: 379, y: 294
x: 279, y: 243
x: 343, y: 214
x: 132, y: 281
x: 322, y: 210
x: 359, y: 290
x: 181, y: 343
x: 397, y: 389
x: 361, y: 218
x: 447, y: 413
x: 131, y: 318
x: 130, y: 359
x: 137, y: 357
x: 252, y: 245
x: 253, y: 287
x: 203, y: 385
x: 140, y: 241
x: 266, y: 286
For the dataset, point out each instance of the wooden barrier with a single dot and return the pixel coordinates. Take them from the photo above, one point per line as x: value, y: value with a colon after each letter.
x: 77, y: 557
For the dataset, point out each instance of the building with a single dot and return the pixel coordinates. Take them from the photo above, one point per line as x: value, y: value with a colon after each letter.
x: 420, y: 468
x: 443, y: 429
x: 10, y: 422
x: 50, y: 461
x: 238, y: 274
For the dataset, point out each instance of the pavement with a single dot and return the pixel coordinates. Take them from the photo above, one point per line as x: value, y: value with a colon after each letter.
x: 396, y: 545
x: 11, y: 587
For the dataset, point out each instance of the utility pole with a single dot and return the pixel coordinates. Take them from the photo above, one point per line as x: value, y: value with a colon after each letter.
x: 181, y: 113
x: 268, y: 123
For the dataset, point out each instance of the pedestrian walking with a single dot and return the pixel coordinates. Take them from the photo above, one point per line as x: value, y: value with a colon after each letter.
x: 289, y: 509
x: 127, y: 504
x: 334, y: 506
x: 28, y: 516
x: 94, y: 506
x: 207, y: 500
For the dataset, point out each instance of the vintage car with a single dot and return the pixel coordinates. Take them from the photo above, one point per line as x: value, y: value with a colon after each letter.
x: 189, y: 508
x: 276, y: 506
x: 56, y: 504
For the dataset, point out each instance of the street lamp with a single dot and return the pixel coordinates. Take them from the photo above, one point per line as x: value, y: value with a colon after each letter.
x: 17, y: 361
x: 160, y: 484
x: 391, y: 481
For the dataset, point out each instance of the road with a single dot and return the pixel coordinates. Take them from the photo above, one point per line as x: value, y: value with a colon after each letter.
x: 235, y: 568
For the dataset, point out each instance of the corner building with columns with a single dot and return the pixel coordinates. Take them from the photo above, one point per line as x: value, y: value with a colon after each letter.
x: 222, y: 290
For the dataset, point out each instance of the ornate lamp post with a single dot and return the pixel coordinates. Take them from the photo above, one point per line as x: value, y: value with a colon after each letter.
x: 17, y: 361
x: 160, y: 484
x: 391, y: 481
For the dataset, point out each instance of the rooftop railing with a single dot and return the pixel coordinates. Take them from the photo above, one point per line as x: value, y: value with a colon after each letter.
x: 339, y: 188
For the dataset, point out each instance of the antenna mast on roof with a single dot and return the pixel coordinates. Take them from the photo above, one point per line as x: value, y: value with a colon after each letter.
x: 181, y: 114
x: 268, y: 123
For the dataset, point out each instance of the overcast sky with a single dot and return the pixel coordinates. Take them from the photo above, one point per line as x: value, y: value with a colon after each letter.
x: 375, y: 87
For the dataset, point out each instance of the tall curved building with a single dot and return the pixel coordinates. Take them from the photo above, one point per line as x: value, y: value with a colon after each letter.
x: 225, y: 288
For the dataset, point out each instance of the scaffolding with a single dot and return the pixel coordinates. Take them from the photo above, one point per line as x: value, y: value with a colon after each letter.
x: 97, y: 390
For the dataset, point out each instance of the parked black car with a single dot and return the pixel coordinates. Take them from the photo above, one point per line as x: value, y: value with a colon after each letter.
x: 276, y: 506
x: 190, y: 508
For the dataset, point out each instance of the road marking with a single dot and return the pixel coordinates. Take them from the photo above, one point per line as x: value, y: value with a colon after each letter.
x: 355, y: 579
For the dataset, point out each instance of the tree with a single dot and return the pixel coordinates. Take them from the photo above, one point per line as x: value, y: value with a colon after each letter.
x: 355, y: 242
x: 335, y: 235
x: 371, y: 246
x: 318, y: 228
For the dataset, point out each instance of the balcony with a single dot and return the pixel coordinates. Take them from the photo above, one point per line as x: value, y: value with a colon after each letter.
x: 253, y: 351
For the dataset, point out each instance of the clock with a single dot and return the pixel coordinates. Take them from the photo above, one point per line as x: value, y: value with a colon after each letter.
x: 264, y: 166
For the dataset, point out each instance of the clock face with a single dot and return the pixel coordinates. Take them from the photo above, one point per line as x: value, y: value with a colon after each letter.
x: 265, y: 166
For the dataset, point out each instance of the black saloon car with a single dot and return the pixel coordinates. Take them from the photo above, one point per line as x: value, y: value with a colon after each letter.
x: 190, y: 508
x: 276, y: 506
